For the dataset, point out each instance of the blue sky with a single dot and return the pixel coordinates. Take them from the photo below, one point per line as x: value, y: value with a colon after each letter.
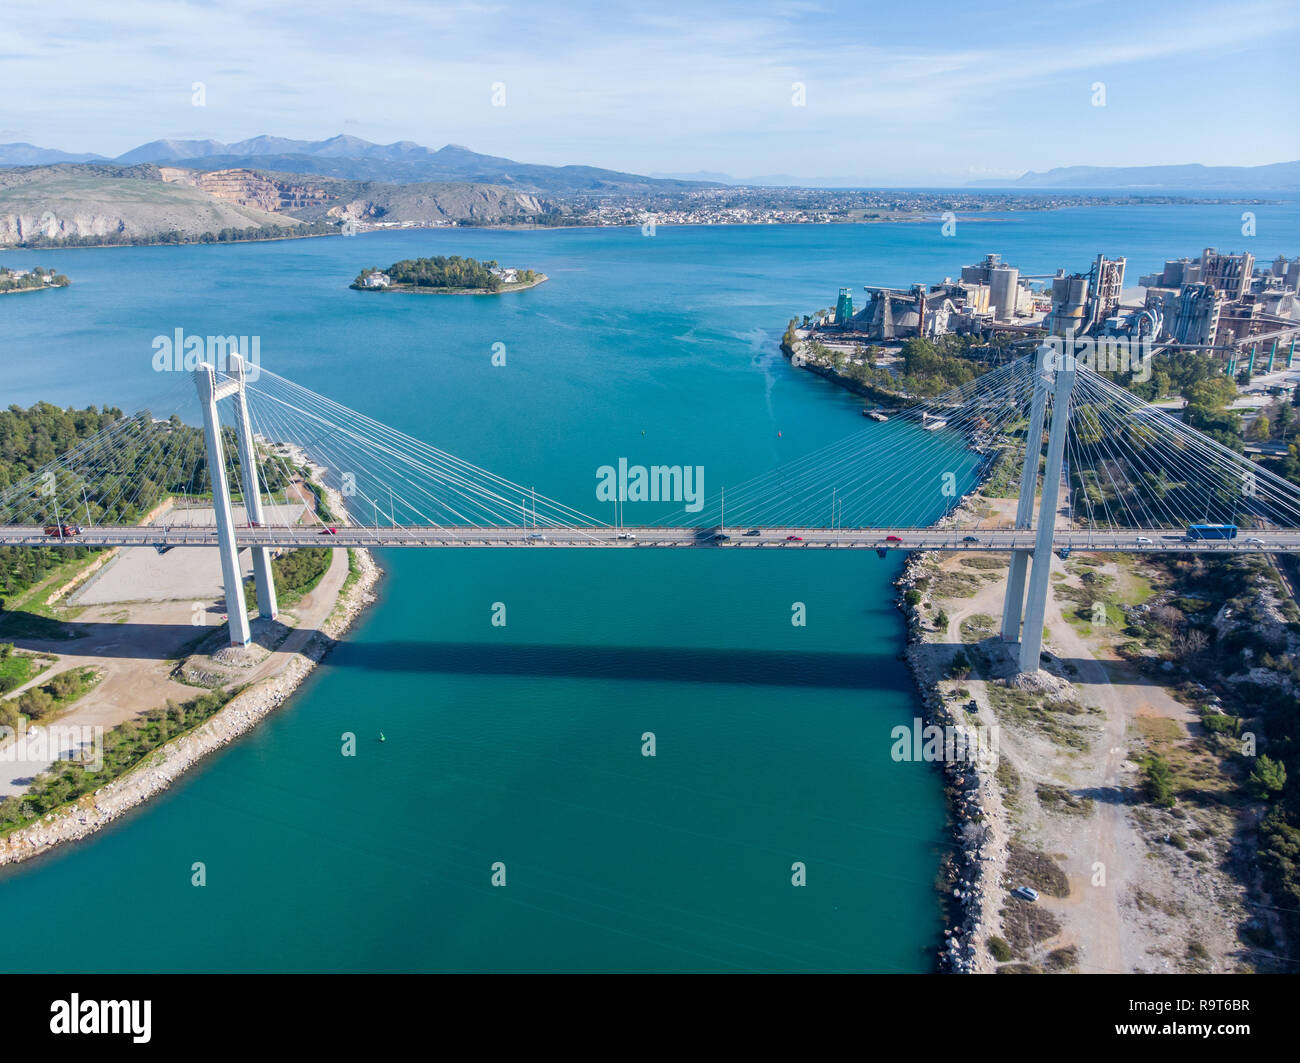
x: 933, y: 93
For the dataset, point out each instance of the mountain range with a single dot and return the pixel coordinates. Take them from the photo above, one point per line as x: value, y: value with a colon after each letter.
x: 354, y: 159
x: 1191, y: 177
x: 406, y: 162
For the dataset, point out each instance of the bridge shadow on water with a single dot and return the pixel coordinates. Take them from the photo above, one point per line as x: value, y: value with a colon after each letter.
x: 818, y: 669
x: 815, y: 669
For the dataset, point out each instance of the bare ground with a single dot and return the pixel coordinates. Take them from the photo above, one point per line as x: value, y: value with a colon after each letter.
x: 1069, y: 795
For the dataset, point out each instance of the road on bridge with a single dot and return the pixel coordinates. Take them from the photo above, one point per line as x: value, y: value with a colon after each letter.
x: 1154, y: 540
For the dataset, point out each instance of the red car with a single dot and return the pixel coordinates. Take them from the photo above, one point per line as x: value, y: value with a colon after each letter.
x: 329, y: 531
x: 794, y: 538
x: 893, y: 539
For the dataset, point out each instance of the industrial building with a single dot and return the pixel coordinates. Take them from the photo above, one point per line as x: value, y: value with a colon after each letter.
x: 1190, y: 314
x: 1007, y: 295
x: 1229, y: 274
x: 844, y: 306
x: 1083, y: 302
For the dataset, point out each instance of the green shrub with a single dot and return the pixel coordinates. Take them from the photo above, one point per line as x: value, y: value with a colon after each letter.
x: 1158, y: 782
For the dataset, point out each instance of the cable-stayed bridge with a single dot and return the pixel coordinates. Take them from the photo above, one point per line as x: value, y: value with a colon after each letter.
x: 277, y: 466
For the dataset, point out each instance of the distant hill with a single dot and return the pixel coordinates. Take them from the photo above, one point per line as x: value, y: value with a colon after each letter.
x: 31, y: 155
x: 354, y: 159
x: 1274, y: 177
x: 113, y: 203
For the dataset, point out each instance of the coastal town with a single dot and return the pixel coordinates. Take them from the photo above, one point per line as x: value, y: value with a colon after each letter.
x: 1152, y: 666
x: 741, y: 205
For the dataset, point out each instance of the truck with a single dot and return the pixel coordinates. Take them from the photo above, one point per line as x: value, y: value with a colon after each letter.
x: 1211, y: 531
x: 62, y: 530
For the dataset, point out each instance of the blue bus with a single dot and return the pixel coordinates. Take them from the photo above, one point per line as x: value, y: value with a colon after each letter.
x: 1211, y: 531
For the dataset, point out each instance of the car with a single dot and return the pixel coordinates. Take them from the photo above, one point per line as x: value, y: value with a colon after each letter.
x: 721, y: 537
x: 1143, y: 539
x: 752, y: 531
x: 971, y: 539
x: 794, y: 538
x: 536, y: 537
x: 329, y: 531
x: 1257, y: 542
x: 1025, y: 893
x: 972, y: 705
x: 893, y: 538
x: 626, y: 535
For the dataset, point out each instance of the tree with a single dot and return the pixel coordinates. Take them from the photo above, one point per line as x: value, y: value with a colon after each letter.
x: 36, y: 703
x: 1189, y: 645
x: 1283, y: 419
x: 1158, y: 782
x: 960, y: 667
x: 1268, y: 778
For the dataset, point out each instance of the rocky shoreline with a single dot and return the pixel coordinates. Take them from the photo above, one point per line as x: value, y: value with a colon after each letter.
x: 978, y: 850
x: 166, y: 764
x: 963, y: 868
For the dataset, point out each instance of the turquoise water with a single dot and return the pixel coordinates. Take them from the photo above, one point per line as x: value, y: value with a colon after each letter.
x: 523, y: 744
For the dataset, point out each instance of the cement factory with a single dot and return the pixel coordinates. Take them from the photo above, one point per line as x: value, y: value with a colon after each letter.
x: 1218, y: 302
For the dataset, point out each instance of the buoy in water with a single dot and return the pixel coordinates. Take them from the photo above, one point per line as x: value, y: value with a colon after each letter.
x: 381, y: 737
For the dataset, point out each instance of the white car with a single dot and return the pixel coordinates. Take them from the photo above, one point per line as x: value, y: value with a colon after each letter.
x: 1252, y: 539
x: 1143, y: 539
x: 626, y: 535
x: 537, y: 537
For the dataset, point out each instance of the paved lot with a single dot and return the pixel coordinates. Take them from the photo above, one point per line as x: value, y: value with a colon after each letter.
x: 141, y: 574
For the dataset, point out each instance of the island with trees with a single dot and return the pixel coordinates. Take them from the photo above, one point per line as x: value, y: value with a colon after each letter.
x: 30, y: 280
x: 446, y: 275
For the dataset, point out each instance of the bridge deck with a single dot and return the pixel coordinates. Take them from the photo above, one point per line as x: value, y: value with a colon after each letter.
x: 1129, y: 540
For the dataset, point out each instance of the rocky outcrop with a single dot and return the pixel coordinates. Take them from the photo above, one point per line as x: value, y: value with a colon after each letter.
x: 433, y: 204
x: 116, y: 205
x: 249, y: 188
x: 139, y: 203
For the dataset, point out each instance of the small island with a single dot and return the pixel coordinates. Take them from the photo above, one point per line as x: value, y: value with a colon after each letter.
x: 443, y: 275
x: 30, y: 280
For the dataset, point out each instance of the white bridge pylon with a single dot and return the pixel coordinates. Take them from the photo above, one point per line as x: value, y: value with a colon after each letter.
x: 1058, y: 382
x: 210, y: 393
